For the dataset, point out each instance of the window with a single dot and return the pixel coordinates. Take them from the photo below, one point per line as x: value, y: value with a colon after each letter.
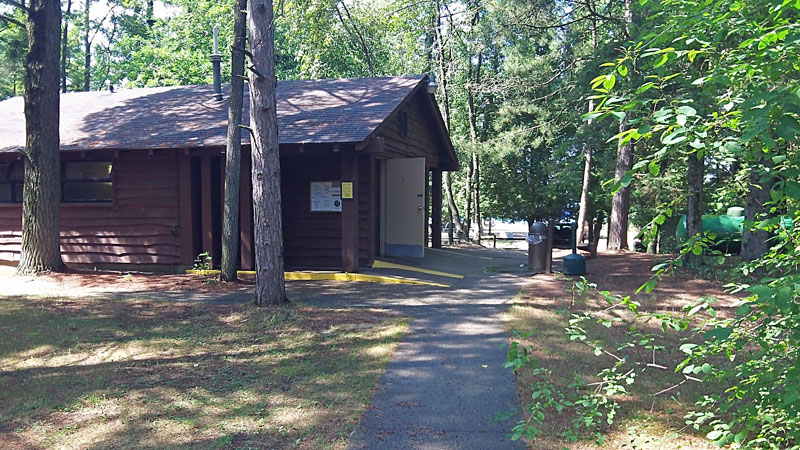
x: 11, y: 182
x: 86, y: 181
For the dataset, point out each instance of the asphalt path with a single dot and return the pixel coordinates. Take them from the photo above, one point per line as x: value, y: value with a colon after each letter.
x: 446, y: 383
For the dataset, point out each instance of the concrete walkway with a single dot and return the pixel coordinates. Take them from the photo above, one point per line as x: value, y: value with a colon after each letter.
x: 446, y: 381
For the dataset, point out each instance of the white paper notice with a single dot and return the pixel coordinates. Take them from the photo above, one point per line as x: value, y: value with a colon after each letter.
x: 326, y: 196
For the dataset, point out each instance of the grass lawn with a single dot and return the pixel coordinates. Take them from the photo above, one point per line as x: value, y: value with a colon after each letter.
x: 648, y: 418
x: 105, y: 373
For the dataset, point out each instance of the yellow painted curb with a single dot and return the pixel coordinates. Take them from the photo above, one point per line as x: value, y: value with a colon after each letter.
x: 378, y: 264
x: 338, y: 276
x: 331, y: 276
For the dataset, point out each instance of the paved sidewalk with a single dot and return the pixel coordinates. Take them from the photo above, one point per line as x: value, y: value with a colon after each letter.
x: 446, y: 381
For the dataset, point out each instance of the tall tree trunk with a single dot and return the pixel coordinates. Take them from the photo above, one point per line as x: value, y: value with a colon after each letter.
x: 41, y: 199
x: 583, y: 215
x: 587, y: 182
x: 233, y: 149
x: 268, y: 233
x: 87, y: 44
x: 596, y: 227
x: 694, y: 203
x: 754, y: 242
x: 621, y: 202
x: 477, y: 189
x: 65, y: 48
x: 455, y: 215
x: 628, y: 18
x: 468, y: 198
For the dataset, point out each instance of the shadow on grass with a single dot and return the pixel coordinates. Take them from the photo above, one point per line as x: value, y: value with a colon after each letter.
x: 137, y: 374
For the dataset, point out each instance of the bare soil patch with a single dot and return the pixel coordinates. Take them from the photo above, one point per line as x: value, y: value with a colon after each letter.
x: 78, y: 282
x: 648, y: 417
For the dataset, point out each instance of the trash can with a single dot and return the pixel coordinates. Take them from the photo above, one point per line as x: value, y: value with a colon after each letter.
x: 574, y: 264
x: 537, y: 247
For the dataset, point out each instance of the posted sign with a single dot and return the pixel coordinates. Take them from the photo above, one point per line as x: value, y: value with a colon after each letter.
x: 326, y: 196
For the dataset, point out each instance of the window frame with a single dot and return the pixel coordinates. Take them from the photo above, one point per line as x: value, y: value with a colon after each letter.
x: 6, y: 170
x: 110, y: 179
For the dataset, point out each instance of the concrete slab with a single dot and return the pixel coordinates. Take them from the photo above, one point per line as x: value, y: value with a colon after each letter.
x: 446, y: 381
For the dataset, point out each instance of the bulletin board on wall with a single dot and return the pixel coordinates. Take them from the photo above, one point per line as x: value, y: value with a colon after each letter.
x: 326, y: 196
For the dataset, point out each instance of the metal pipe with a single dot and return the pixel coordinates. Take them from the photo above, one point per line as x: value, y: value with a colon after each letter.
x: 216, y: 59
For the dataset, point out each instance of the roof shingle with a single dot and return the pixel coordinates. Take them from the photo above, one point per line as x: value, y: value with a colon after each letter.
x: 309, y: 111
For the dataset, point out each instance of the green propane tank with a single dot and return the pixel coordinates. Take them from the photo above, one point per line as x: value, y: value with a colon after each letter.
x: 727, y: 228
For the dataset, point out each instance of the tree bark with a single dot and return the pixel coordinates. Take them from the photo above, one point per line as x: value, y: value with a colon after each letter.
x: 584, y: 202
x: 754, y: 242
x: 87, y: 44
x: 477, y: 189
x: 694, y: 203
x: 41, y: 202
x: 473, y: 190
x: 455, y: 215
x: 233, y: 148
x: 266, y: 170
x: 587, y: 181
x: 596, y: 227
x: 621, y: 202
x: 65, y: 48
x: 468, y: 198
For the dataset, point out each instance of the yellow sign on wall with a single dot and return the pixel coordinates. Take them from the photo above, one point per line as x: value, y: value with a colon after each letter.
x: 347, y: 189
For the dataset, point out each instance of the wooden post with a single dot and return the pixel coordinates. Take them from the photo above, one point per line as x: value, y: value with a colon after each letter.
x: 186, y: 224
x: 436, y: 208
x: 246, y: 217
x: 372, y: 189
x: 205, y: 205
x: 349, y: 171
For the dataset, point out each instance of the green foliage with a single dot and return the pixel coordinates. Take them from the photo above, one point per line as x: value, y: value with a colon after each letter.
x: 721, y: 80
x: 594, y: 405
x: 13, y: 47
x: 203, y: 261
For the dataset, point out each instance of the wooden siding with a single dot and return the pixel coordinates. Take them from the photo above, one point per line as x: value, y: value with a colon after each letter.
x: 140, y: 227
x: 310, y: 239
x: 421, y: 140
x: 365, y: 185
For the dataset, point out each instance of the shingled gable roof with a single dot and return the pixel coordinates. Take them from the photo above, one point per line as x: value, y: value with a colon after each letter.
x: 309, y: 111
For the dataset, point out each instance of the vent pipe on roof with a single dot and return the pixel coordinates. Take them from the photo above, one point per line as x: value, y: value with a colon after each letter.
x: 216, y: 59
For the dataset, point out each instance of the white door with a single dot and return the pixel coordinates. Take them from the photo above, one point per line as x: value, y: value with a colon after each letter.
x: 404, y: 207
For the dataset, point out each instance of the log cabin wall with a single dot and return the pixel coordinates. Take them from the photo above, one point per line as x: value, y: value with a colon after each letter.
x: 140, y: 226
x: 310, y: 239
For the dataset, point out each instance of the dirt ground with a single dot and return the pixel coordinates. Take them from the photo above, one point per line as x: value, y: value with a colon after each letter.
x: 648, y: 418
x: 77, y: 282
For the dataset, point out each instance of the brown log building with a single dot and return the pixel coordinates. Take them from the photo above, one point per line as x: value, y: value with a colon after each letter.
x: 142, y: 174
